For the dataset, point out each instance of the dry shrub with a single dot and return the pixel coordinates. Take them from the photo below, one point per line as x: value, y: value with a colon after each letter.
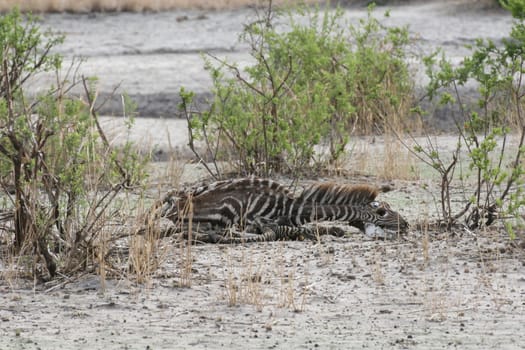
x: 145, y: 255
x: 65, y: 177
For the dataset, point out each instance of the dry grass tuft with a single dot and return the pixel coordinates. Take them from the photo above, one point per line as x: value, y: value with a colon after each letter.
x: 143, y: 257
x: 8, y: 269
x: 398, y: 162
x: 288, y: 283
x: 259, y: 284
x: 186, y: 255
x: 175, y: 165
x: 378, y: 275
x: 384, y: 157
x: 425, y: 241
x: 244, y: 282
x: 437, y: 306
x: 100, y: 257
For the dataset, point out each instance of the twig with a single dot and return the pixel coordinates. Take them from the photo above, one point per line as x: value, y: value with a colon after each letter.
x: 191, y: 139
x: 94, y: 115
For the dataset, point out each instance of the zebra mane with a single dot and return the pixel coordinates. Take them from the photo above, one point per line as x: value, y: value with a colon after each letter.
x: 332, y: 193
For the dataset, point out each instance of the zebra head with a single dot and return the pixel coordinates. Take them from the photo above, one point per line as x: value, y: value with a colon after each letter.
x: 380, y: 220
x: 173, y: 206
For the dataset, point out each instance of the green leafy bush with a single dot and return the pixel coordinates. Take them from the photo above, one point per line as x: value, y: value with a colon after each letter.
x: 516, y: 7
x: 486, y: 128
x: 312, y: 84
x: 54, y: 158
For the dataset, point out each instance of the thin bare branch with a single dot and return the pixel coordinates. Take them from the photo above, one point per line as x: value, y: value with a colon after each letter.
x: 94, y: 115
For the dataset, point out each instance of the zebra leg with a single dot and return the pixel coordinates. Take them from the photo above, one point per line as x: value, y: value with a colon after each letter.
x: 208, y: 236
x: 264, y: 230
x: 310, y: 232
x: 233, y: 236
x: 270, y: 230
x: 284, y: 231
x: 266, y: 236
x: 329, y: 230
x: 297, y: 233
x: 271, y: 233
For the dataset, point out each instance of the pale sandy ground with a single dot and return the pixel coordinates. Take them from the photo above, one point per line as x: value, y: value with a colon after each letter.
x: 429, y: 290
x: 342, y: 293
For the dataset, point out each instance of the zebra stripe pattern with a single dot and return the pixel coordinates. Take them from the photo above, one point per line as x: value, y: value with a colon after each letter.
x: 249, y: 201
x: 331, y: 193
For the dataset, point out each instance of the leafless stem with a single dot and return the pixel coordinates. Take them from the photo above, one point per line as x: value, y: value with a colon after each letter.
x: 191, y: 141
x: 91, y: 101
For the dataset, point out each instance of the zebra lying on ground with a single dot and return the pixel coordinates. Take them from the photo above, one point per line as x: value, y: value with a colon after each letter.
x: 270, y: 209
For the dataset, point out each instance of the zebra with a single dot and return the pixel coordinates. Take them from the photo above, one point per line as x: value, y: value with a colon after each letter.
x: 271, y: 210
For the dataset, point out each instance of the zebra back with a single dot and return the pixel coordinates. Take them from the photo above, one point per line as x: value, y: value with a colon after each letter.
x: 230, y: 201
x: 306, y: 212
x: 247, y: 184
x: 337, y: 194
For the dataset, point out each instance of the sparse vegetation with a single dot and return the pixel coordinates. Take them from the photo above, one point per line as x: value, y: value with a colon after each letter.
x: 59, y: 174
x: 121, y: 281
x: 261, y: 285
x: 516, y: 7
x: 486, y: 128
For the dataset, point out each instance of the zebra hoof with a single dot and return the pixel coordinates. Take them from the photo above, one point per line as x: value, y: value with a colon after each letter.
x: 336, y: 231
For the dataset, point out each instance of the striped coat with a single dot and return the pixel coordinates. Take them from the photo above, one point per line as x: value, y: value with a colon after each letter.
x: 266, y: 203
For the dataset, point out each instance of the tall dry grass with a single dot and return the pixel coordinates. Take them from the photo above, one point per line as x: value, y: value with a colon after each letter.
x: 131, y: 5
